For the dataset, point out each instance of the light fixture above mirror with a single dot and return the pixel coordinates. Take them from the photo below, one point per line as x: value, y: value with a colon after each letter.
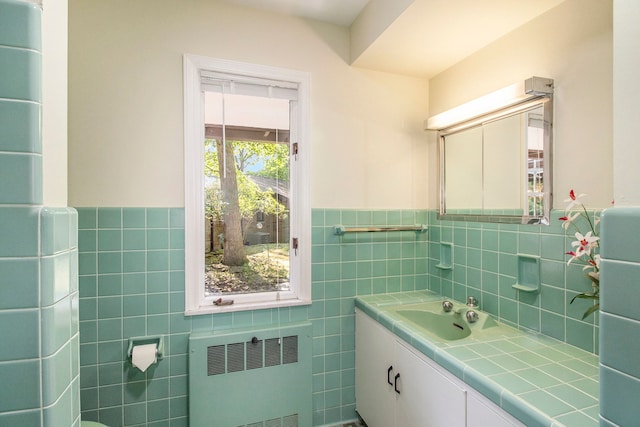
x: 495, y: 155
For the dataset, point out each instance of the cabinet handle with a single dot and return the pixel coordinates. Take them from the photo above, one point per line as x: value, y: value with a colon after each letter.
x: 395, y: 383
x: 388, y: 373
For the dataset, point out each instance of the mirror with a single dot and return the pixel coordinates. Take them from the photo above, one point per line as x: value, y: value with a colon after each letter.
x: 497, y: 167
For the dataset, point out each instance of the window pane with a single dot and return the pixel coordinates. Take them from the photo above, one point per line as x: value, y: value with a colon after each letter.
x: 246, y: 194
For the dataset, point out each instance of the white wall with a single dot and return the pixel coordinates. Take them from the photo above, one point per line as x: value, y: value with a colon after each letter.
x: 626, y: 110
x: 374, y: 19
x: 125, y: 103
x: 571, y: 44
x: 54, y: 102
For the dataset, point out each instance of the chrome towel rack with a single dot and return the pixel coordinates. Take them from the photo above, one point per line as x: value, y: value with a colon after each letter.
x: 339, y: 229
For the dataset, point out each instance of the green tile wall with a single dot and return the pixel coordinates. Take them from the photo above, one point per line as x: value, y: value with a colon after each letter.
x: 485, y: 265
x: 620, y: 317
x: 20, y: 103
x: 39, y: 320
x: 131, y: 263
x: 38, y: 247
x: 344, y: 267
x: 131, y: 282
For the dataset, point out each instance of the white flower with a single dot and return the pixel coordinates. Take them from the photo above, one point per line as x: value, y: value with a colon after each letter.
x: 573, y: 200
x: 593, y: 263
x: 584, y: 243
x: 567, y: 220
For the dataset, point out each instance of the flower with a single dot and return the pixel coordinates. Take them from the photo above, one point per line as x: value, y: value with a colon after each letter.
x: 584, y: 244
x: 573, y: 200
x: 585, y: 247
x: 568, y: 220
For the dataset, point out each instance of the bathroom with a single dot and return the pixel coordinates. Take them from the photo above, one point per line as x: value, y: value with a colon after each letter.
x: 112, y: 146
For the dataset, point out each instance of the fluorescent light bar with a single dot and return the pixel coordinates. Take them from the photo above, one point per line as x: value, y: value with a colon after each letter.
x: 502, y: 98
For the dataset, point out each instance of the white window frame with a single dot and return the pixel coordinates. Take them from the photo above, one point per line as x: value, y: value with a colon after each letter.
x: 300, y: 218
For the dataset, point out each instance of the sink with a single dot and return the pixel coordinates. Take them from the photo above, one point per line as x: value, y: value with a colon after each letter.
x: 443, y: 325
x: 448, y: 326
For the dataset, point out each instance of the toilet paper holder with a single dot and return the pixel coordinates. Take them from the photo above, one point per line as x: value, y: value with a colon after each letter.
x: 157, y: 340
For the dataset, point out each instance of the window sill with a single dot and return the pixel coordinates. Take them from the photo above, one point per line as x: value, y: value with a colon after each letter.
x: 214, y: 309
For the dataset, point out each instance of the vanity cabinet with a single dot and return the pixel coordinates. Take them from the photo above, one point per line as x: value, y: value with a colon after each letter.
x: 482, y: 413
x: 375, y: 349
x: 398, y: 386
x: 395, y: 386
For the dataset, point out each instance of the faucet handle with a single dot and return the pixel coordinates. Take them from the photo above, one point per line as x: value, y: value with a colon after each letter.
x: 447, y: 306
x: 472, y: 302
x: 471, y: 316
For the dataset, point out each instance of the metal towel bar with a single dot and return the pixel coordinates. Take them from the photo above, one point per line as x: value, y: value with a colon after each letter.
x: 341, y: 229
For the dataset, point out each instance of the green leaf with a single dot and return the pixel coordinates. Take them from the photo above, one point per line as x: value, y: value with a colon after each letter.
x: 585, y: 296
x: 590, y: 310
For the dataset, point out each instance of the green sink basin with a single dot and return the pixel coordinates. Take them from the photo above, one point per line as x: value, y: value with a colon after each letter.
x: 442, y: 325
x: 448, y: 326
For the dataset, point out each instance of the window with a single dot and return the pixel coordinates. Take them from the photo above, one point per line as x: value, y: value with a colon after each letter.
x: 247, y: 215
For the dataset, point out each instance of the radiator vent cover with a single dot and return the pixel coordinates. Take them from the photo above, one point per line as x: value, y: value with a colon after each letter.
x: 251, y: 377
x: 227, y: 358
x: 254, y: 354
x: 288, y: 421
x: 290, y: 351
x: 215, y: 360
x: 272, y: 352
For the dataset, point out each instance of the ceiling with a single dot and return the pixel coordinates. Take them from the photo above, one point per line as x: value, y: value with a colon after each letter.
x: 341, y: 12
x: 427, y: 37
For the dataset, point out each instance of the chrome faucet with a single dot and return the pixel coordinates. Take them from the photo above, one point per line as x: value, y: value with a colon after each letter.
x: 469, y: 313
x: 471, y: 316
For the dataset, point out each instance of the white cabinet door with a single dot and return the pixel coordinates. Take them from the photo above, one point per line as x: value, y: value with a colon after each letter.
x: 483, y: 413
x: 396, y: 387
x: 427, y: 398
x: 375, y: 398
x: 427, y: 395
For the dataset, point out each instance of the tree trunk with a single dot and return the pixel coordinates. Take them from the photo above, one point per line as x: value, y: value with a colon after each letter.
x: 233, y: 254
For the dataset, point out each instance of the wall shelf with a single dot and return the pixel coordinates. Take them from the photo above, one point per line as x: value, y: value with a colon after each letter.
x: 446, y: 256
x: 528, y: 274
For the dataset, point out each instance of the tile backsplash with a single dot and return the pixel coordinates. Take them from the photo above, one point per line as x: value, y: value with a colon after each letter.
x: 486, y: 259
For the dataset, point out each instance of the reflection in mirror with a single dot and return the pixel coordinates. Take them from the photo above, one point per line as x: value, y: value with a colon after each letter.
x: 535, y: 162
x: 463, y: 169
x: 497, y: 167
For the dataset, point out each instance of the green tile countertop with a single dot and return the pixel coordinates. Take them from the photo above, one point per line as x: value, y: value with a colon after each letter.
x: 537, y: 379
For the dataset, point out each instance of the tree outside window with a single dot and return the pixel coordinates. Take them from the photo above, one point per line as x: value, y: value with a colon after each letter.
x: 246, y: 167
